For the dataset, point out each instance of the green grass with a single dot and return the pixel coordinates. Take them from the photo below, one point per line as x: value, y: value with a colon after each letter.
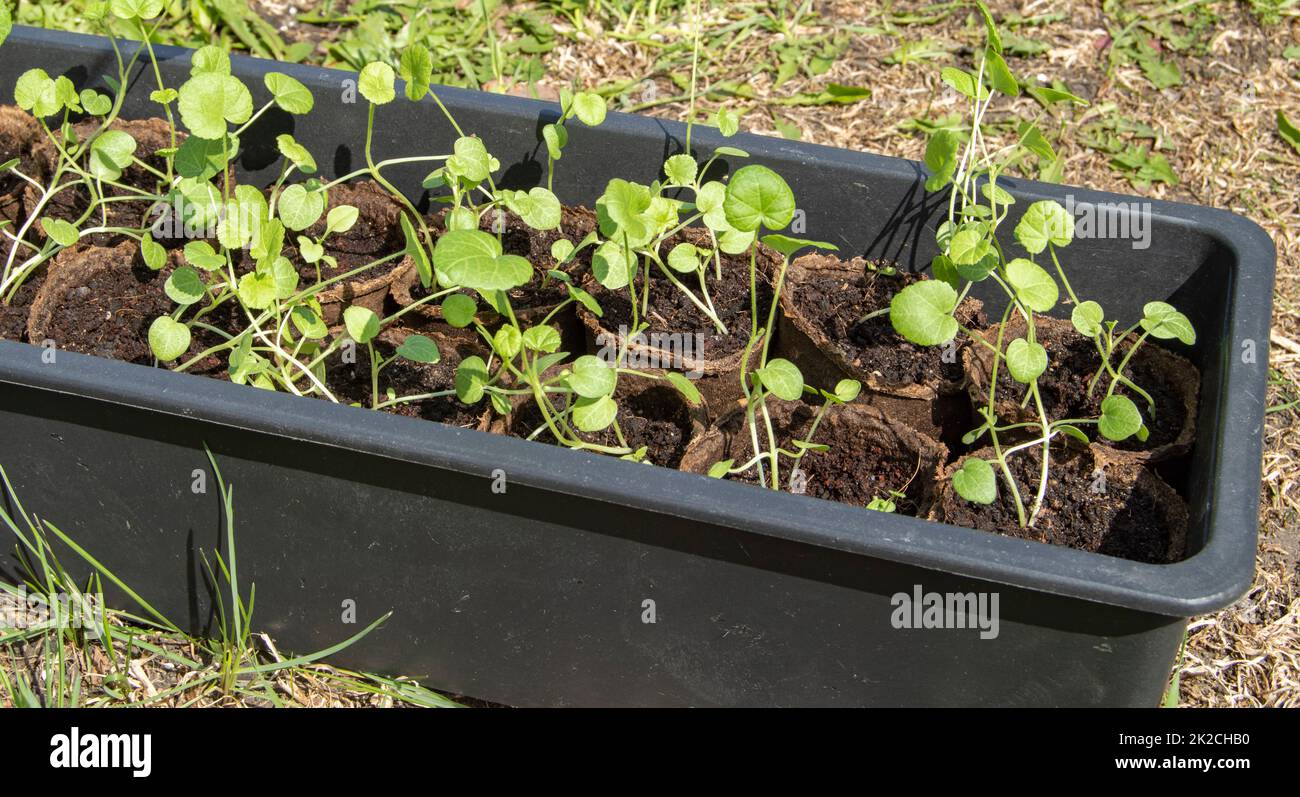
x: 79, y: 664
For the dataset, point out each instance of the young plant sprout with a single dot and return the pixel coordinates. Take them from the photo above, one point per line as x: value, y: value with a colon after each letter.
x: 971, y: 252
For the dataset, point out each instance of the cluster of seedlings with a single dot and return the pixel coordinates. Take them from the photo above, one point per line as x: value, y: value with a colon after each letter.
x: 505, y: 311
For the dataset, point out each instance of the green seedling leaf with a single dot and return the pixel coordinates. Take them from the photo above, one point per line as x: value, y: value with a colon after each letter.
x: 727, y: 122
x: 200, y: 254
x: 586, y: 300
x: 881, y: 505
x: 709, y: 200
x: 593, y: 415
x: 110, y: 153
x: 562, y: 249
x: 592, y: 378
x: 992, y: 36
x: 975, y: 481
x: 555, y: 137
x: 361, y: 322
x: 996, y: 195
x: 416, y: 68
x: 543, y: 338
x: 590, y: 108
x: 35, y: 91
x: 376, y: 83
x: 458, y: 310
x: 969, y: 246
x: 847, y: 390
x: 202, y: 158
x: 538, y: 207
x: 735, y: 242
x: 168, y: 338
x: 1026, y: 361
x: 1049, y: 96
x: 1045, y: 222
x: 152, y: 252
x: 60, y: 231
x: 300, y: 208
x: 1163, y: 321
x: 680, y: 170
x: 416, y: 251
x: 257, y: 290
x: 283, y: 275
x: 508, y: 342
x: 209, y: 100
x: 758, y: 196
x: 1119, y: 418
x: 612, y: 267
x: 787, y: 245
x: 685, y: 387
x: 308, y: 323
x: 1087, y: 318
x: 292, y: 97
x: 940, y: 159
x: 185, y: 286
x: 473, y: 259
x: 418, y: 348
x: 730, y: 151
x: 623, y: 209
x: 1035, y: 288
x: 470, y: 160
x: 471, y: 379
x: 720, y: 469
x: 341, y: 218
x: 6, y: 22
x: 295, y: 153
x: 96, y: 104
x: 211, y: 59
x: 943, y: 270
x: 922, y: 312
x: 684, y: 258
x: 1073, y: 431
x: 782, y: 378
x: 136, y: 9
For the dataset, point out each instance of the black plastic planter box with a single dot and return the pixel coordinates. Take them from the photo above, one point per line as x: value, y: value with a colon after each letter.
x: 538, y: 596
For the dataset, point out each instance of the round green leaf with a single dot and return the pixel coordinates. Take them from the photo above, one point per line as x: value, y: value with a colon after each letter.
x: 209, y: 100
x: 1087, y: 318
x: 257, y: 290
x: 847, y: 390
x: 110, y: 153
x: 291, y: 95
x: 185, y: 286
x: 60, y: 231
x: 308, y: 322
x: 1026, y: 360
x: 376, y: 83
x: 470, y: 159
x: 473, y: 259
x: 590, y: 108
x: 542, y: 338
x: 782, y: 378
x: 416, y: 68
x: 1045, y: 222
x: 922, y: 312
x: 539, y: 208
x: 1162, y: 320
x: 201, y: 255
x: 1034, y: 286
x: 300, y: 208
x: 756, y: 196
x: 295, y: 153
x: 685, y: 258
x: 507, y: 341
x: 593, y: 415
x: 680, y: 170
x: 975, y: 481
x: 685, y: 387
x: 612, y: 267
x: 418, y: 348
x: 1119, y: 418
x: 210, y: 58
x: 471, y: 378
x: 592, y: 378
x: 168, y: 338
x: 341, y: 218
x: 361, y: 322
x: 709, y: 200
x: 458, y: 310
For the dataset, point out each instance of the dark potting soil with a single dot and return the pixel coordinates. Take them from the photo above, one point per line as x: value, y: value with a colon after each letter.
x: 1072, y: 360
x: 653, y: 416
x: 19, y: 135
x: 671, y: 312
x: 1083, y: 509
x: 13, y: 316
x: 836, y: 307
x: 350, y: 383
x: 858, y: 468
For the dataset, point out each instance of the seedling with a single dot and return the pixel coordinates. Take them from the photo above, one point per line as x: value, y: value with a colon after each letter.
x: 971, y: 252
